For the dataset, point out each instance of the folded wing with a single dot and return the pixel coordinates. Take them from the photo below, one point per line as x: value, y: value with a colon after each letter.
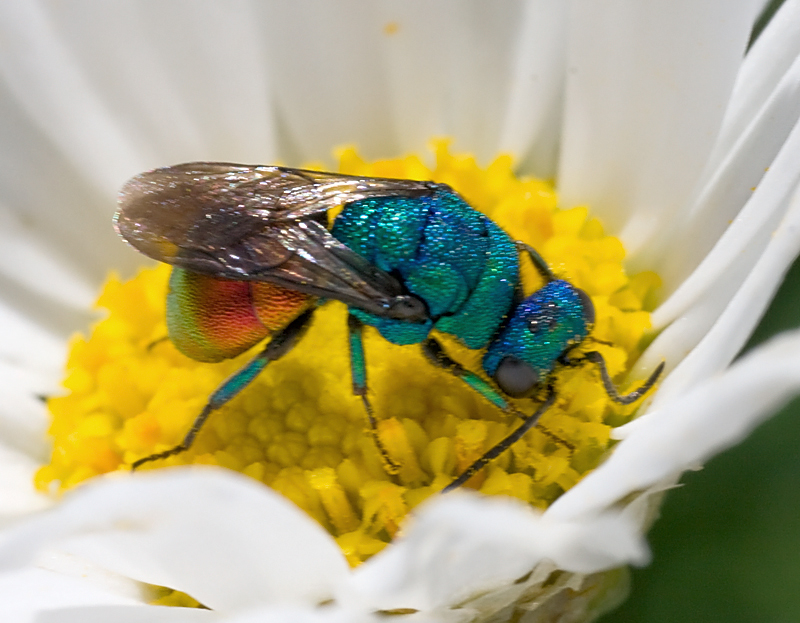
x: 261, y: 223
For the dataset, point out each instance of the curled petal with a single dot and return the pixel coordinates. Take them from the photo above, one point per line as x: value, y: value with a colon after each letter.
x: 461, y: 544
x: 62, y: 582
x: 728, y: 334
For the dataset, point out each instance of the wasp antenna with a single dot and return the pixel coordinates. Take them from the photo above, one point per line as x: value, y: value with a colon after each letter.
x: 538, y: 260
x: 611, y: 389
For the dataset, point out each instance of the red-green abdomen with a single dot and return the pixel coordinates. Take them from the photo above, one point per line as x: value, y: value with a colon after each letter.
x: 211, y: 319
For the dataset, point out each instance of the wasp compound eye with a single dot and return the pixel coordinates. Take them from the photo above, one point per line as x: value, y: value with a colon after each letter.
x: 515, y: 377
x: 588, y: 306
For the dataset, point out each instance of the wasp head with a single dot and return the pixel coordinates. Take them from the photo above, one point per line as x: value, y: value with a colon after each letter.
x: 541, y: 329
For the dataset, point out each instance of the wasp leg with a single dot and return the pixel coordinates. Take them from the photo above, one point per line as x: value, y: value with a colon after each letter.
x: 596, y: 341
x: 504, y: 445
x: 280, y: 344
x: 358, y: 369
x: 538, y: 260
x: 435, y: 353
x: 156, y: 342
x: 556, y: 439
x: 611, y: 390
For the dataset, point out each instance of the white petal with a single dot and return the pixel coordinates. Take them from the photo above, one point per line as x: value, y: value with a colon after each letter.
x: 30, y: 367
x: 325, y: 63
x: 17, y: 495
x: 759, y: 270
x: 764, y: 67
x: 47, y: 79
x: 190, y: 79
x: 31, y: 361
x: 728, y: 335
x: 532, y: 121
x: 460, y: 544
x: 768, y: 144
x: 393, y: 75
x: 647, y: 85
x: 26, y: 263
x: 58, y: 242
x: 120, y: 89
x: 684, y: 433
x: 26, y: 593
x: 218, y: 536
x: 128, y: 614
x: 29, y: 352
x: 445, y: 72
x: 326, y: 614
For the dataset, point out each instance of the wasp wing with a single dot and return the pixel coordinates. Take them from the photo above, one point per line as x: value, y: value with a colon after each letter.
x: 259, y: 223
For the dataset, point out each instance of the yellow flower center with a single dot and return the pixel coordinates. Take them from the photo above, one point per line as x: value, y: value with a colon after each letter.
x: 298, y: 428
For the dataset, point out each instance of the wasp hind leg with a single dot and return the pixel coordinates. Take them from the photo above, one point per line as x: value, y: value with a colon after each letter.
x: 358, y: 369
x: 280, y: 344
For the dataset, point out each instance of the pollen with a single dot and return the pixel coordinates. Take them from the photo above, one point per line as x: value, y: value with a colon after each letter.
x: 298, y: 428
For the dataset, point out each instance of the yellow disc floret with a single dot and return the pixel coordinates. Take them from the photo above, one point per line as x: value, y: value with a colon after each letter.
x: 298, y: 428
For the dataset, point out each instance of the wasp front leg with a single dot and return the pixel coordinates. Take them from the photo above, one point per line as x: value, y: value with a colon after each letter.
x: 492, y: 453
x: 280, y: 344
x: 538, y: 261
x: 358, y: 369
x: 436, y: 354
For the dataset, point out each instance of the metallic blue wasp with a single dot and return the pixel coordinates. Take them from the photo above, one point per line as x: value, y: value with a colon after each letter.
x: 253, y: 257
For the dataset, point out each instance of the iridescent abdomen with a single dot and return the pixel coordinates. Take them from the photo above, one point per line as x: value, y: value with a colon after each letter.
x: 211, y: 319
x: 462, y: 265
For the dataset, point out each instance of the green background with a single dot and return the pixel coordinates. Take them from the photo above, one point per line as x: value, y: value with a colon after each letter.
x: 727, y: 545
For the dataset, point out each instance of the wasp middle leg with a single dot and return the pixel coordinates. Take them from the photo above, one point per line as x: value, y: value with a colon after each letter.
x: 358, y: 369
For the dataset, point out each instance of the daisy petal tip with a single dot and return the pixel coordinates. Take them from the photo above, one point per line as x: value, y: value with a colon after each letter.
x: 462, y: 544
x: 137, y: 527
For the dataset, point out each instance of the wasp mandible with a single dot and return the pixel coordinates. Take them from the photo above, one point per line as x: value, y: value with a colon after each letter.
x: 253, y: 257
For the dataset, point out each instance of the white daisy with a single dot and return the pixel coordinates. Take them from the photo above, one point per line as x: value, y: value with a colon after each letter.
x: 651, y: 114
